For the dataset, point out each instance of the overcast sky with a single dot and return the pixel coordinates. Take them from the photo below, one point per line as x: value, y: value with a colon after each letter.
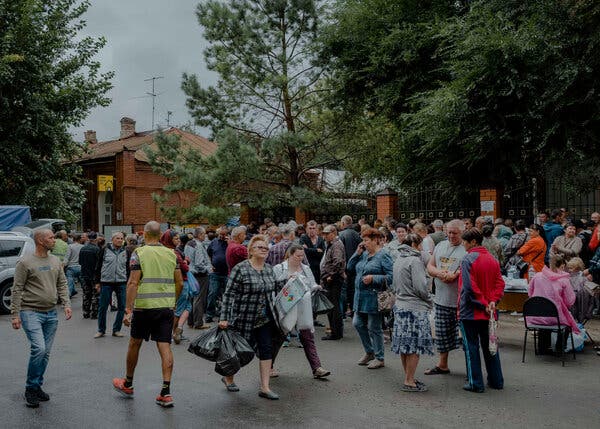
x: 145, y: 38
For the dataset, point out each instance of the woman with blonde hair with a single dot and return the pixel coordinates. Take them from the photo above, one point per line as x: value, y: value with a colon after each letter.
x: 246, y: 308
x: 293, y: 267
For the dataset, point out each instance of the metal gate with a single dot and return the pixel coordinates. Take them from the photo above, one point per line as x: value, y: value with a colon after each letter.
x: 518, y: 203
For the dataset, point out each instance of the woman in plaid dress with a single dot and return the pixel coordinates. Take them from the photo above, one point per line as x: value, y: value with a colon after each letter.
x: 246, y: 308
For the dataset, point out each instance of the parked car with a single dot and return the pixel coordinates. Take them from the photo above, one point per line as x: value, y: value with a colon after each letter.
x: 53, y: 224
x: 13, y: 246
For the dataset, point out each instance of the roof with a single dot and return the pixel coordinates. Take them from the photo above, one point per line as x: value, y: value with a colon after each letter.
x: 139, y: 141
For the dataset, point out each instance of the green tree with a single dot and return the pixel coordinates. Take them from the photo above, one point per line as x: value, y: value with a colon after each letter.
x: 520, y: 103
x: 512, y: 94
x: 265, y: 109
x: 48, y: 83
x: 380, y: 55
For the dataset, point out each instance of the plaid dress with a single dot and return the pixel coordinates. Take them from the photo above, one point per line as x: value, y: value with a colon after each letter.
x: 246, y: 297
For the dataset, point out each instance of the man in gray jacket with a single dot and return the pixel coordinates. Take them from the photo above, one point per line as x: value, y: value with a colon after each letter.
x: 111, y: 276
x: 200, y: 267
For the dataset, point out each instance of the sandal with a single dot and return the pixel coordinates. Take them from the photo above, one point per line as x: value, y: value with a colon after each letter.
x: 436, y: 370
x: 420, y: 387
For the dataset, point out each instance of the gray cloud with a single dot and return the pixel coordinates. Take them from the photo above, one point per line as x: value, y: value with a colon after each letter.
x: 145, y: 38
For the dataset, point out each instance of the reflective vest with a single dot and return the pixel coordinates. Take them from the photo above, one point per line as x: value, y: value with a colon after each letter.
x: 157, y: 286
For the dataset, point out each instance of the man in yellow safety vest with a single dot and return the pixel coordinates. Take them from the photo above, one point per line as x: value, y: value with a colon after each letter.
x: 152, y: 291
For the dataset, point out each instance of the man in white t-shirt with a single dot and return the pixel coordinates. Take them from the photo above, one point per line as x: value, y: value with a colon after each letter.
x: 444, y: 268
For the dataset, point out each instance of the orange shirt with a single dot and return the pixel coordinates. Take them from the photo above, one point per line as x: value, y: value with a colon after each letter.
x: 533, y: 252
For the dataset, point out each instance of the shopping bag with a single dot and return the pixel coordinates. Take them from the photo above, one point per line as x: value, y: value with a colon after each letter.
x: 290, y: 295
x: 305, y: 314
x: 243, y: 350
x: 493, y: 339
x: 227, y: 363
x: 193, y: 285
x: 289, y: 320
x: 207, y: 345
x: 320, y: 303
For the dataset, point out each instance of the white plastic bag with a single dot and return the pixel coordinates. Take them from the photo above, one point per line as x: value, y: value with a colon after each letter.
x: 578, y: 340
x: 305, y: 314
x: 289, y: 320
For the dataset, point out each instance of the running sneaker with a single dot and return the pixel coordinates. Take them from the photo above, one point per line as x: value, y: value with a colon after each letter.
x: 119, y: 385
x: 165, y: 401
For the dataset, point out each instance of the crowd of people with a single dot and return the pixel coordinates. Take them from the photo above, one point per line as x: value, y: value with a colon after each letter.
x: 162, y: 282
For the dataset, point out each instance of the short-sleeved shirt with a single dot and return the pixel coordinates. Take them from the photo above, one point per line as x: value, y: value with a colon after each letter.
x: 447, y: 257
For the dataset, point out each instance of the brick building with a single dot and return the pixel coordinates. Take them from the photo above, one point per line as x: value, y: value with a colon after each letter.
x: 122, y: 181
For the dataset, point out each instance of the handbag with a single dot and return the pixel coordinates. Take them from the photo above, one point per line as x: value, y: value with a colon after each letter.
x: 385, y: 298
x: 521, y: 265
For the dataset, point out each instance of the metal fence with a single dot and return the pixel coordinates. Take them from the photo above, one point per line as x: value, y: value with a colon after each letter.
x: 438, y: 203
x: 519, y: 203
x: 558, y: 195
x: 358, y: 207
x: 330, y: 211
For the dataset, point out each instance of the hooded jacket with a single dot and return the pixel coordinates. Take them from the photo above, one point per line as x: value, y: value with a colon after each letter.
x: 557, y: 288
x: 479, y: 283
x: 410, y: 283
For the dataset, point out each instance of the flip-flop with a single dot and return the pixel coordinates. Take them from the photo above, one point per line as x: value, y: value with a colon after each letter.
x: 420, y: 387
x: 436, y: 370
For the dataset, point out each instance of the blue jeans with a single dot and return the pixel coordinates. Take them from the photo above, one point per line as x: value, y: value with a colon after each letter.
x: 474, y: 332
x: 216, y: 287
x: 368, y: 326
x: 72, y: 274
x: 40, y: 329
x: 105, y: 300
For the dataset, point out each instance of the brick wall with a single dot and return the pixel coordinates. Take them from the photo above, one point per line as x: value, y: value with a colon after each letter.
x: 387, y: 204
x: 491, y: 197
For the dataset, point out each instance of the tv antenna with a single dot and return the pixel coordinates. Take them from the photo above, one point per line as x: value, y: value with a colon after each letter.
x: 153, y: 94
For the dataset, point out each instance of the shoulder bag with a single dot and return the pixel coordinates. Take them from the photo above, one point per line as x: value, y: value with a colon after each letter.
x: 385, y: 298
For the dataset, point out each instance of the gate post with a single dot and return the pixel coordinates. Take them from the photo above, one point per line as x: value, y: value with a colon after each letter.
x: 301, y: 216
x: 387, y: 204
x: 490, y: 200
x: 247, y: 214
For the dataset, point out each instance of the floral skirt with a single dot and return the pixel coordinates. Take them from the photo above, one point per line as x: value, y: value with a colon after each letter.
x: 412, y: 333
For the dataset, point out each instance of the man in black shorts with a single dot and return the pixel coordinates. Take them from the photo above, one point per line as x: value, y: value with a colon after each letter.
x: 152, y: 291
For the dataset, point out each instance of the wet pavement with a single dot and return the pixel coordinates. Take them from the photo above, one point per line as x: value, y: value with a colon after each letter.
x: 537, y: 393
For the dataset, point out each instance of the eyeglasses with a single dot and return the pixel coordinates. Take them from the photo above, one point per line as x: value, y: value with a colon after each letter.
x: 261, y: 247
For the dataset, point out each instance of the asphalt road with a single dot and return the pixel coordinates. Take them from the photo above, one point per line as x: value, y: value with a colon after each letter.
x: 538, y: 393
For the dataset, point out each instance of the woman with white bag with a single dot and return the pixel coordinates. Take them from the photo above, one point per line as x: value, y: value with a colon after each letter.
x: 300, y: 316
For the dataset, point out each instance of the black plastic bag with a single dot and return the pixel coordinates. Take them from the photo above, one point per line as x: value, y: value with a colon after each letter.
x: 244, y: 351
x: 208, y: 344
x: 228, y: 362
x: 320, y: 303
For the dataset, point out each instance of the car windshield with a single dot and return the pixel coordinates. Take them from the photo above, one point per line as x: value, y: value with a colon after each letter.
x: 36, y: 223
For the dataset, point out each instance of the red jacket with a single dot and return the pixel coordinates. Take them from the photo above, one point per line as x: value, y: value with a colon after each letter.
x: 594, y: 240
x: 479, y: 283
